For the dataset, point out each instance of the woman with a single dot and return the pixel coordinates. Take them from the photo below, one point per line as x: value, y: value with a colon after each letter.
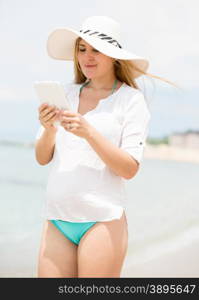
x: 98, y: 145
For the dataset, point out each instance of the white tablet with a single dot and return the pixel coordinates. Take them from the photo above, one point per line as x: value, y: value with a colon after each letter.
x: 53, y: 93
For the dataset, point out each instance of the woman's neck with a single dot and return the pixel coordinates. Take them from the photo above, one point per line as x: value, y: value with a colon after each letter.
x: 101, y: 84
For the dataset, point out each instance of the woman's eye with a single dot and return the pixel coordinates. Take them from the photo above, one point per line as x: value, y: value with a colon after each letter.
x: 82, y: 50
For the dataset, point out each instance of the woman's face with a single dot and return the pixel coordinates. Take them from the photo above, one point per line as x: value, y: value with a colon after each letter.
x: 92, y: 62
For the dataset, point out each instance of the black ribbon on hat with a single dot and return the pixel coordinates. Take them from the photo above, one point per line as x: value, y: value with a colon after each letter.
x: 102, y: 36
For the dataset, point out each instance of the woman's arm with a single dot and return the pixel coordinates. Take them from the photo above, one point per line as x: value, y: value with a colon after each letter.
x: 117, y: 159
x: 44, y: 147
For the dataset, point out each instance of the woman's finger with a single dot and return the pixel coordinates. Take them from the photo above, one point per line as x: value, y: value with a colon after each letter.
x: 42, y: 107
x: 69, y: 126
x: 48, y: 110
x: 69, y: 119
x: 49, y: 116
x: 55, y: 116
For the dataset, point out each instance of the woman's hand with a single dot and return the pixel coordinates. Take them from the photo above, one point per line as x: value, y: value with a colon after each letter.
x: 75, y: 123
x: 48, y: 114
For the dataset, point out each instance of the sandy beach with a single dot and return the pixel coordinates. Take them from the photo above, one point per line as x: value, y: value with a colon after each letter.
x: 182, y: 262
x: 166, y: 152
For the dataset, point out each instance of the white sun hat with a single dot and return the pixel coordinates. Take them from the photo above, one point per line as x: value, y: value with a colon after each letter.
x: 101, y: 32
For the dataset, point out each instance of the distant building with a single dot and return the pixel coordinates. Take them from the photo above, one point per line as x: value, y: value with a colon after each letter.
x: 188, y: 139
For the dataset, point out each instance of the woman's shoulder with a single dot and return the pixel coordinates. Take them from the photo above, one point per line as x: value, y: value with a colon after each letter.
x: 131, y: 90
x: 135, y: 100
x: 131, y: 94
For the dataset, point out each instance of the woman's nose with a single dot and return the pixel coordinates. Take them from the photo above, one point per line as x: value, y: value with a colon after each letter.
x: 89, y: 55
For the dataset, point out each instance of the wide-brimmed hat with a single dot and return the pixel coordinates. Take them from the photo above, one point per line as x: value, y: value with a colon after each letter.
x: 101, y: 32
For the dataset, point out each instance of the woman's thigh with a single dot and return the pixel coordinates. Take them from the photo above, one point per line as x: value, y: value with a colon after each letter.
x: 57, y: 255
x: 102, y: 250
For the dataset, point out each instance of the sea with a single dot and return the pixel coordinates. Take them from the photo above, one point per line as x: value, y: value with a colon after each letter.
x: 162, y: 204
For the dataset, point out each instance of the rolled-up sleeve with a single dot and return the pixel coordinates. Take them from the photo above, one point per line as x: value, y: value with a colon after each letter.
x: 135, y: 126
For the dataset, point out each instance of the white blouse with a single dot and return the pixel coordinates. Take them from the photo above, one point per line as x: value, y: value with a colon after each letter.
x: 81, y: 187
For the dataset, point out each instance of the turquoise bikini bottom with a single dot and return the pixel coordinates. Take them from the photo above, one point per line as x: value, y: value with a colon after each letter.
x: 73, y: 231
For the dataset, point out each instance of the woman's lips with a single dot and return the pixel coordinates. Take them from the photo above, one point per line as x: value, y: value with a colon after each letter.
x: 90, y: 66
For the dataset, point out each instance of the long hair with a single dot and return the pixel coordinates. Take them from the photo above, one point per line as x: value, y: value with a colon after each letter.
x: 124, y: 70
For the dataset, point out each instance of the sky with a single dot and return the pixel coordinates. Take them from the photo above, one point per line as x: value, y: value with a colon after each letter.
x: 165, y: 32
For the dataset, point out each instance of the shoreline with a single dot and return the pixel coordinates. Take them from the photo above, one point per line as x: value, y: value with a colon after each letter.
x: 159, y: 151
x: 166, y: 152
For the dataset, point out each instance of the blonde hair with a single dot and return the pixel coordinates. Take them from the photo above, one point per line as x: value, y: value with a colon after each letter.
x: 124, y: 70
